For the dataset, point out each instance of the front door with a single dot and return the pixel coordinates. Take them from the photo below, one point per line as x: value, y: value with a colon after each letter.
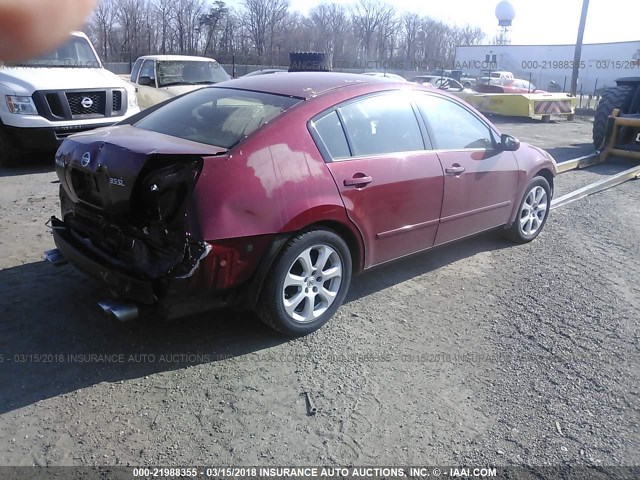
x: 480, y: 182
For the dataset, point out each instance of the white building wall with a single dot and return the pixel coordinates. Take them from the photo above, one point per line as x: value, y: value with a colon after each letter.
x: 601, y: 63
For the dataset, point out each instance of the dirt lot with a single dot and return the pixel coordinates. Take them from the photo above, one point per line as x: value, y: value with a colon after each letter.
x: 478, y: 353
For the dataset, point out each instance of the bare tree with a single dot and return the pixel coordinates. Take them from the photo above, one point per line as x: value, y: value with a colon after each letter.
x: 130, y: 15
x: 262, y: 31
x: 469, y: 35
x: 187, y: 14
x: 328, y: 24
x: 164, y: 11
x: 260, y: 18
x: 410, y: 30
x: 104, y: 19
x: 369, y: 17
x: 211, y: 21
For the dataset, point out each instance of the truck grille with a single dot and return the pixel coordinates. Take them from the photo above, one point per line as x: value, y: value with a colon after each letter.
x: 80, y: 104
x: 87, y: 103
x: 117, y: 101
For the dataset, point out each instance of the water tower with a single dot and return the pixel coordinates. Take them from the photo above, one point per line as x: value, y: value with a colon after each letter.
x: 505, y: 14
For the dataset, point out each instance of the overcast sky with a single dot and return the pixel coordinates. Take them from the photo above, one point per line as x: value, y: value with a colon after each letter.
x: 536, y: 22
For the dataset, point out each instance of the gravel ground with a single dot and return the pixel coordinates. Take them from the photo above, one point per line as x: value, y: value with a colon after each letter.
x: 478, y: 353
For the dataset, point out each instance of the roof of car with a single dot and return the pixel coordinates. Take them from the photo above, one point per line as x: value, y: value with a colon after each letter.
x: 177, y: 58
x: 300, y: 84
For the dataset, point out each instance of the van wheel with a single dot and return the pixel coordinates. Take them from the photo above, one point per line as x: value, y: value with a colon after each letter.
x: 307, y: 283
x: 8, y: 154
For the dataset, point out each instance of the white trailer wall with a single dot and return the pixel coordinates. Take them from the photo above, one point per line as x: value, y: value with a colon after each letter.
x: 601, y: 63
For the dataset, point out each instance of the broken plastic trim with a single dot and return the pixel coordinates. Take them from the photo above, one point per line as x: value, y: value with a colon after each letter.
x: 152, y: 241
x: 196, y: 264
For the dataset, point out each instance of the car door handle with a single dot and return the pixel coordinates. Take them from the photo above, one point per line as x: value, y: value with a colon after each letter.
x: 357, y: 181
x: 457, y: 170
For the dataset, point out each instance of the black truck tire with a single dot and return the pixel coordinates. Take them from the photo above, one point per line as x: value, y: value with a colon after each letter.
x: 614, y: 97
x: 310, y: 62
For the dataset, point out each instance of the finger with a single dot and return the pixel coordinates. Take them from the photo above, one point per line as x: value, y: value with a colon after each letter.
x: 29, y: 28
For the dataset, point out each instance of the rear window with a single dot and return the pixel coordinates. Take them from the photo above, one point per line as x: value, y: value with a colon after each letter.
x: 216, y: 116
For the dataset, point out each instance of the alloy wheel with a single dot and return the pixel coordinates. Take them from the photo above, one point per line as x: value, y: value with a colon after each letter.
x: 312, y: 283
x: 534, y: 210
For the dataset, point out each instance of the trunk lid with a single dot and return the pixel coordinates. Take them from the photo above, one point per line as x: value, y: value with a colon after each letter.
x: 100, y: 168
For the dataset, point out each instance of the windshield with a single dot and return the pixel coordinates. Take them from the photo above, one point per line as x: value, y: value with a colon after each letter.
x: 75, y: 53
x: 216, y: 116
x: 183, y: 72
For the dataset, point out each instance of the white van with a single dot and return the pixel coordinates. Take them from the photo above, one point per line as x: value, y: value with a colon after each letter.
x: 44, y: 100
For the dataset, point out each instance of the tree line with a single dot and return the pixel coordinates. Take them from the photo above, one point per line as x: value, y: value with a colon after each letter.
x: 369, y: 34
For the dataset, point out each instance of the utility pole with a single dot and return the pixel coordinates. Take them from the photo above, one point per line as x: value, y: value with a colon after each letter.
x: 578, y: 52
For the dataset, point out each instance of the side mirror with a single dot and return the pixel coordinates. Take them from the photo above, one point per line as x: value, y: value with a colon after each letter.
x: 145, y: 81
x: 509, y: 143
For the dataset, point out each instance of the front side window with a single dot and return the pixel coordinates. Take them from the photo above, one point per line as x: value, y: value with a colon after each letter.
x: 453, y: 127
x: 216, y: 116
x: 188, y: 72
x: 382, y: 124
x: 148, y: 70
x: 136, y: 70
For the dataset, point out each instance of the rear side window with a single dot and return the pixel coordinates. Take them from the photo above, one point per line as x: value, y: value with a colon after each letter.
x: 330, y: 131
x: 453, y: 126
x: 382, y: 124
x: 216, y: 116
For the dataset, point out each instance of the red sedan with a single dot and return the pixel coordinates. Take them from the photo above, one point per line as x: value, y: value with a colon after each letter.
x: 270, y: 192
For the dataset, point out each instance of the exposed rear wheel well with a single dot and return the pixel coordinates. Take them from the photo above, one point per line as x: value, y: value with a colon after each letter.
x: 357, y: 255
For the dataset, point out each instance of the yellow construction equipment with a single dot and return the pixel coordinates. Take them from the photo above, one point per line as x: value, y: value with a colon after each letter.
x: 530, y: 105
x: 616, y: 127
x: 619, y: 129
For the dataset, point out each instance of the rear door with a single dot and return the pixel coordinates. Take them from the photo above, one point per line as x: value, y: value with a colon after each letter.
x: 480, y: 182
x: 390, y: 181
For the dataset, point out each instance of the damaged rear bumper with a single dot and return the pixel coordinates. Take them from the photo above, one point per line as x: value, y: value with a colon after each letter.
x: 169, y: 297
x: 82, y: 257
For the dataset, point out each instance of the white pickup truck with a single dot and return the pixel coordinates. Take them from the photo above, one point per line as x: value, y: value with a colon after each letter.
x: 44, y: 100
x: 160, y: 77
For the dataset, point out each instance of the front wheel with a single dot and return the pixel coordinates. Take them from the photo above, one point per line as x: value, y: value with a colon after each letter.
x: 532, y: 213
x: 307, y: 283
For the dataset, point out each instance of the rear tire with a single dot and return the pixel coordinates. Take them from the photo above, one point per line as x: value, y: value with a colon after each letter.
x: 8, y: 153
x: 306, y: 284
x: 533, y: 212
x: 614, y: 97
